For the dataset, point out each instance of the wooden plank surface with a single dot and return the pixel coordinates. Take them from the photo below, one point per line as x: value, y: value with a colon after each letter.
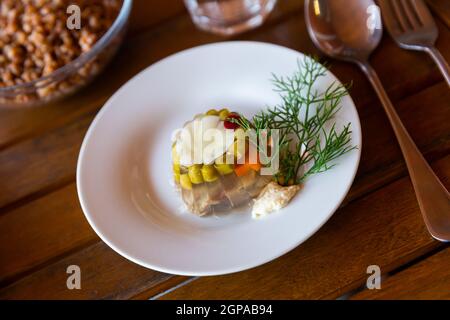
x: 105, y: 275
x: 426, y: 280
x: 42, y: 230
x: 149, y: 13
x: 41, y: 217
x: 442, y: 9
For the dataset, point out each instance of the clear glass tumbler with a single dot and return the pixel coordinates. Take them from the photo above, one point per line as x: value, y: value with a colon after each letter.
x: 227, y: 17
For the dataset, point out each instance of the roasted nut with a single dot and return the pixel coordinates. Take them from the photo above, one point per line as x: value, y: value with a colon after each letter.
x: 16, y: 70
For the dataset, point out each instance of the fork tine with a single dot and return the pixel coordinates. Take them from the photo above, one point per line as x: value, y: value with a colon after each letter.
x: 417, y: 11
x: 424, y: 13
x: 410, y: 13
x: 389, y: 16
x: 410, y: 24
x: 400, y: 14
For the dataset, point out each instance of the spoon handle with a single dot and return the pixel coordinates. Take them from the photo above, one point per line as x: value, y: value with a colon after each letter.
x: 433, y: 198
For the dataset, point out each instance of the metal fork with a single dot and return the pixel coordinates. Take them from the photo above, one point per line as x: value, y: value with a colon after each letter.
x: 411, y: 25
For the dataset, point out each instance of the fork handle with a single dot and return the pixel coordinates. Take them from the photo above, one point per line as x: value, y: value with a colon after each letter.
x: 440, y: 61
x: 433, y: 198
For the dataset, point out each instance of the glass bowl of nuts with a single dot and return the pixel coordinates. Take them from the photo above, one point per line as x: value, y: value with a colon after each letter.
x: 51, y: 48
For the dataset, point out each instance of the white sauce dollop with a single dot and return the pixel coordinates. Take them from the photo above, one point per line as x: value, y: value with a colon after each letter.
x: 273, y: 198
x: 203, y: 140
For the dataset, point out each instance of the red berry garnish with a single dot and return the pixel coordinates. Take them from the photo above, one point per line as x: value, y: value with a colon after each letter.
x: 228, y: 124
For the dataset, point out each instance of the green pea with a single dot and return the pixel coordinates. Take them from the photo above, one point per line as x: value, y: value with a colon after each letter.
x: 223, y: 114
x: 224, y: 168
x: 185, y: 182
x: 212, y: 112
x: 209, y: 173
x: 175, y: 156
x: 195, y: 174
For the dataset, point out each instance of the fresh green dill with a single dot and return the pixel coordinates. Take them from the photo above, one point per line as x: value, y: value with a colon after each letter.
x: 306, y: 146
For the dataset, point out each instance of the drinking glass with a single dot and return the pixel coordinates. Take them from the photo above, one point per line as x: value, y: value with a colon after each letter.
x: 227, y: 17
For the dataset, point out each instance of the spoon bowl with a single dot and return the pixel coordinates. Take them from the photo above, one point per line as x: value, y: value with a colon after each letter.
x: 347, y: 30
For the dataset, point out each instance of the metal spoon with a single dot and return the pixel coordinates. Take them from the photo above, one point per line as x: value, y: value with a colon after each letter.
x: 350, y: 30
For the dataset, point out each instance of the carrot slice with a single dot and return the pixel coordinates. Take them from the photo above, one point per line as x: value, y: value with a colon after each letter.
x: 241, y: 169
x: 255, y: 166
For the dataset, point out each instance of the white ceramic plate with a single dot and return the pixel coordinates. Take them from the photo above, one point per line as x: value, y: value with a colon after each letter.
x: 124, y: 166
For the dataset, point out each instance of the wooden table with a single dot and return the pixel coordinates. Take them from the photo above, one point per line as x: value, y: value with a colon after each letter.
x: 43, y: 230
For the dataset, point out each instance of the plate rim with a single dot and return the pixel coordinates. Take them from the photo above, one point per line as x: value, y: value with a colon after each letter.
x: 242, y: 267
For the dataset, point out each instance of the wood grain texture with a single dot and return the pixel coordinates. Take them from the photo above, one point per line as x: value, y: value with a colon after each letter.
x: 45, y: 161
x: 149, y: 13
x: 426, y: 280
x: 442, y: 9
x: 384, y: 228
x: 42, y: 230
x: 381, y: 159
x: 104, y: 275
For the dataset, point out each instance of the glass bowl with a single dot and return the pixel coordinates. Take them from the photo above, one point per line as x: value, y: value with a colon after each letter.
x: 72, y: 76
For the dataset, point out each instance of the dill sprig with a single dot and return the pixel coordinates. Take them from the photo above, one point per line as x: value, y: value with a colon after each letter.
x: 302, y: 118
